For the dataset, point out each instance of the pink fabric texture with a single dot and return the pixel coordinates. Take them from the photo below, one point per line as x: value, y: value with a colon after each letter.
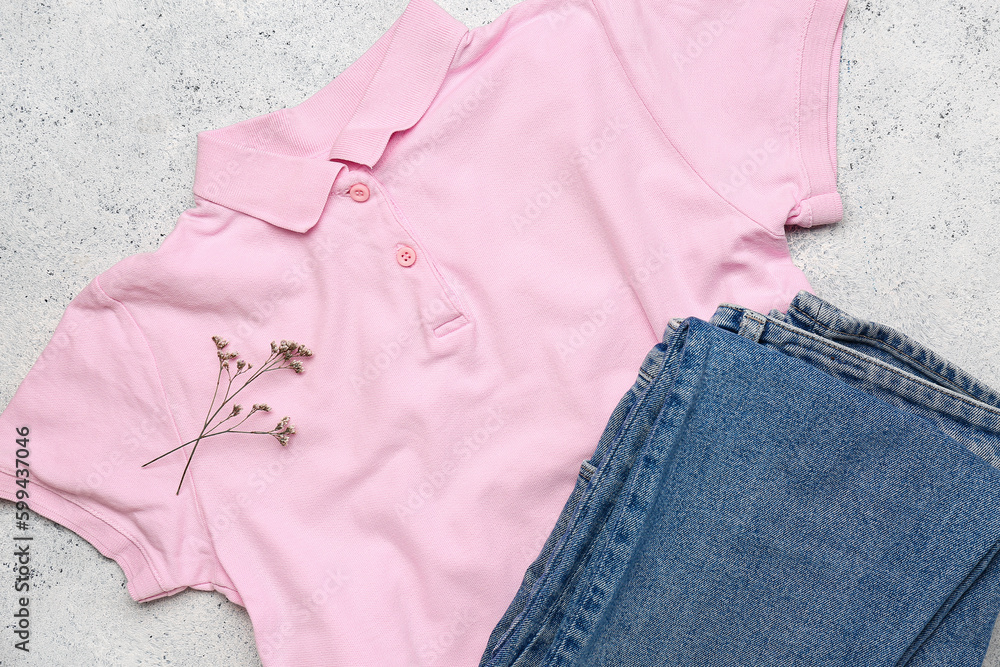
x: 566, y: 179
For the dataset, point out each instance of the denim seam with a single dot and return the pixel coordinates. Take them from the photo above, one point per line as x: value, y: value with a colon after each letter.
x: 531, y: 603
x: 818, y: 323
x: 883, y: 345
x: 583, y: 501
x: 562, y: 634
x: 893, y: 369
x: 950, y: 602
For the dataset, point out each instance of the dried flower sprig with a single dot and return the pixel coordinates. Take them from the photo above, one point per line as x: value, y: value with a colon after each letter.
x: 284, y: 356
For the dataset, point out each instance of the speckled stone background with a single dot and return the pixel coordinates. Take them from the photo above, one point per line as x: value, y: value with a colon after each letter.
x: 100, y: 101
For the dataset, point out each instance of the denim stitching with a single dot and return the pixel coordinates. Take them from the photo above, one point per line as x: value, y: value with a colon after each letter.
x: 883, y: 345
x: 532, y: 602
x: 896, y: 371
x: 563, y: 634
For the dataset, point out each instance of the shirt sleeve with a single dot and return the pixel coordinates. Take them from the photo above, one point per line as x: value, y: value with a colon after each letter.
x: 89, y: 413
x: 746, y: 91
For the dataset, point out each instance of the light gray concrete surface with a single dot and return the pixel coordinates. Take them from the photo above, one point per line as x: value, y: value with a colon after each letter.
x: 100, y: 101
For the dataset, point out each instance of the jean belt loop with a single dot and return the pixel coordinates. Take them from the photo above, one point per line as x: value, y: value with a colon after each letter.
x: 752, y: 325
x: 672, y: 326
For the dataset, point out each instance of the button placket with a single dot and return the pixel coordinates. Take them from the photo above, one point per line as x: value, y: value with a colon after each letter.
x: 442, y: 315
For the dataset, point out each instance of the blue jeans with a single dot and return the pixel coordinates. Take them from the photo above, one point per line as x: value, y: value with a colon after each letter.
x: 791, y: 489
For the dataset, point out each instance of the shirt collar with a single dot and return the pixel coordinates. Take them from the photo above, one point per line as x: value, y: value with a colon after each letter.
x: 280, y: 167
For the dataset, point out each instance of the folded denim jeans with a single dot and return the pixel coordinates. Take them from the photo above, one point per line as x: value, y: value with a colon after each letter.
x: 800, y: 488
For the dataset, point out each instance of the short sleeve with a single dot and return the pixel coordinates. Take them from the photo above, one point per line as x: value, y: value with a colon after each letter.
x: 94, y: 411
x: 746, y: 92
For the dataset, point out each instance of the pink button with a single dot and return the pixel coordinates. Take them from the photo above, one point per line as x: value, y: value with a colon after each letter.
x: 406, y: 256
x: 360, y: 192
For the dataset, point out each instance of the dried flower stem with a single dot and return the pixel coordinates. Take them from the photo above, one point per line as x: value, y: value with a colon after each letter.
x: 283, y: 356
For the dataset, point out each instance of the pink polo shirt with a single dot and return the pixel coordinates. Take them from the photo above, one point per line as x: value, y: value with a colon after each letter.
x: 478, y: 234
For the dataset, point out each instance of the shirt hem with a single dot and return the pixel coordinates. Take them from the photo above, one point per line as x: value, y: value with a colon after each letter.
x: 817, y: 115
x: 199, y: 510
x: 142, y: 582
